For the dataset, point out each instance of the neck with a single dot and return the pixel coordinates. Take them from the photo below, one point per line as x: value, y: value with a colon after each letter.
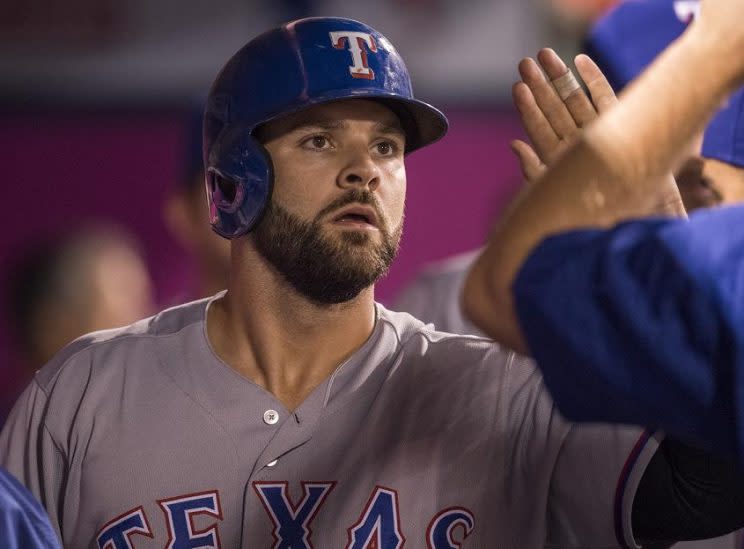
x: 211, y: 278
x: 268, y: 332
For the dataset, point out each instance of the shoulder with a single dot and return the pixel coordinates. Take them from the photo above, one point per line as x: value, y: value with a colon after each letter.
x: 105, y: 374
x: 446, y: 272
x: 407, y: 328
x: 460, y: 354
x: 483, y: 381
x: 452, y: 265
x: 109, y: 349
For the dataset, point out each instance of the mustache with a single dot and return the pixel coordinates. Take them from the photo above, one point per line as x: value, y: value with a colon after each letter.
x: 355, y: 196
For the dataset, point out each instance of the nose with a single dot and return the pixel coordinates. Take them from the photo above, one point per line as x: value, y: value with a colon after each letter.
x: 361, y: 170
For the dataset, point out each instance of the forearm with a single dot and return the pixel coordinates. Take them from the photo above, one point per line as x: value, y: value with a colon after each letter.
x: 611, y: 174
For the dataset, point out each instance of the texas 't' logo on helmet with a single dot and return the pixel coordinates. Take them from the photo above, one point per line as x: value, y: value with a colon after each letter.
x: 357, y: 43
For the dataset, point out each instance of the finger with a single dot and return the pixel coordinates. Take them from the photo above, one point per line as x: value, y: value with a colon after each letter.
x: 603, y: 96
x: 547, y: 99
x: 529, y: 162
x: 538, y: 129
x: 577, y: 102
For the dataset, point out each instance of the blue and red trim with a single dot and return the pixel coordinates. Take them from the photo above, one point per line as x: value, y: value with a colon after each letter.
x: 622, y: 482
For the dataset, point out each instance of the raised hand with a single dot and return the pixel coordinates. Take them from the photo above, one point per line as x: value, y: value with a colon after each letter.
x: 554, y: 109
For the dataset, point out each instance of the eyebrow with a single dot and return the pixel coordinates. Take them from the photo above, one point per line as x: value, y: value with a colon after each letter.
x: 382, y: 127
x: 333, y: 124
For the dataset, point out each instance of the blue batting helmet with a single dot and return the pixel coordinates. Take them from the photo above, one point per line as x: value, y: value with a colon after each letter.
x: 285, y: 70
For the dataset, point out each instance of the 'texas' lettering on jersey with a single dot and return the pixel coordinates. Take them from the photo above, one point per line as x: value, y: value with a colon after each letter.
x: 378, y: 525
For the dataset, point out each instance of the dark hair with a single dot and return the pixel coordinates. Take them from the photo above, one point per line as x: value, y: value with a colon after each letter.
x: 32, y: 283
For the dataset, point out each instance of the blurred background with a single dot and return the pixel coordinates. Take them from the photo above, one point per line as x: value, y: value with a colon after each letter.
x: 104, y: 218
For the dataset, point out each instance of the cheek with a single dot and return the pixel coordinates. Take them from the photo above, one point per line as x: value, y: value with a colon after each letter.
x: 391, y: 197
x: 297, y: 188
x: 396, y: 194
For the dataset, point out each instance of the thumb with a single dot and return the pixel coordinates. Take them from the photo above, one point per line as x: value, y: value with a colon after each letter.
x: 529, y: 162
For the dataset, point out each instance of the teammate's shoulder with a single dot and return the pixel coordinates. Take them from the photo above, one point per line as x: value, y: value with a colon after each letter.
x: 449, y: 268
x: 408, y: 327
x: 116, y: 340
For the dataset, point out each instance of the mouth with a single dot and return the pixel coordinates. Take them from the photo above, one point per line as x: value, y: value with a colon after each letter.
x: 357, y: 217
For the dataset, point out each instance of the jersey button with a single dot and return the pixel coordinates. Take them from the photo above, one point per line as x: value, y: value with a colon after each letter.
x: 272, y: 463
x: 270, y: 417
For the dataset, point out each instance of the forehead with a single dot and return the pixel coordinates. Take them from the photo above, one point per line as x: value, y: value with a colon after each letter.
x: 334, y: 114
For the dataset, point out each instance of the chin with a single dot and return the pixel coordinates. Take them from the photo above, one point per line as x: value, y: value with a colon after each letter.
x: 356, y: 238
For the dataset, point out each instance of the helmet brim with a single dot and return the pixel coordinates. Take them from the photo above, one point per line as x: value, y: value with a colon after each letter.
x: 422, y: 123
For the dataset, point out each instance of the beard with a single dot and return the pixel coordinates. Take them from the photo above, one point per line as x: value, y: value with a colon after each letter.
x: 326, y: 269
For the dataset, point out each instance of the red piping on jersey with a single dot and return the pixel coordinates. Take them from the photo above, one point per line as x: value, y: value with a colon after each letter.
x: 621, y: 484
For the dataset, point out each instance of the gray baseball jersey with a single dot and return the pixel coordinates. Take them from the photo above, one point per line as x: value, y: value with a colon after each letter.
x: 141, y: 437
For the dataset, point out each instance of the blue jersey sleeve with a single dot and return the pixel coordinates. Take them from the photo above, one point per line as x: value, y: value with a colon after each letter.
x: 23, y: 522
x: 643, y: 324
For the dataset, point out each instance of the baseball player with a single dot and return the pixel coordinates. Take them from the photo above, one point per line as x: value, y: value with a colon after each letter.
x: 645, y: 319
x: 23, y: 522
x: 294, y: 411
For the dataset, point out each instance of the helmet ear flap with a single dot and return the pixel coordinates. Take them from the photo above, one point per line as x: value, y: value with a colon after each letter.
x: 239, y: 181
x: 226, y: 194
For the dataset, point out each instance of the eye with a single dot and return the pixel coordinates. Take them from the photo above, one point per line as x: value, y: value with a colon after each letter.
x: 317, y: 142
x: 387, y: 148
